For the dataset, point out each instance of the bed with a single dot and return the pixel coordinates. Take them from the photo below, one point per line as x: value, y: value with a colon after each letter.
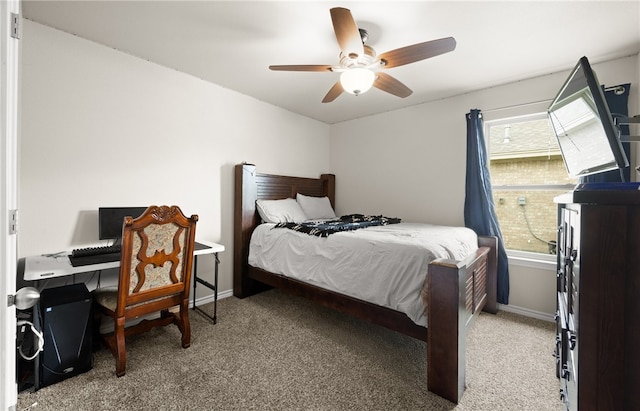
x: 457, y: 290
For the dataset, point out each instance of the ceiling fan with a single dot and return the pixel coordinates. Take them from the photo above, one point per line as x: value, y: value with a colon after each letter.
x: 359, y: 63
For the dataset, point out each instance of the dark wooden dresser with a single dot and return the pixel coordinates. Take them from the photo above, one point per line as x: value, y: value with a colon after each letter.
x: 598, y: 317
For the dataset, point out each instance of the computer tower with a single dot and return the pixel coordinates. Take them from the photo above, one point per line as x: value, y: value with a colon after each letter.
x: 64, y: 314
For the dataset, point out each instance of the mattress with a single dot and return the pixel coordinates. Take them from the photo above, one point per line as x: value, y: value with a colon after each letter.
x: 385, y: 265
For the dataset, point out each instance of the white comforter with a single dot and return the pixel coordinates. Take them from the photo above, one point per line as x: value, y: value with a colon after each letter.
x: 385, y: 265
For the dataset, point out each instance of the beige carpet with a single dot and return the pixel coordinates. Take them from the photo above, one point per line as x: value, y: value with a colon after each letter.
x: 274, y: 351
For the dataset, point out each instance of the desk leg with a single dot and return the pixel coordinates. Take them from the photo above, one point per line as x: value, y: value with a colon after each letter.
x: 195, y: 277
x: 213, y: 287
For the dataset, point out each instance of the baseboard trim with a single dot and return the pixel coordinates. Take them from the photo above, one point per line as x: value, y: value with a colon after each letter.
x: 509, y: 308
x: 527, y: 312
x: 210, y: 299
x: 107, y: 326
x: 229, y: 293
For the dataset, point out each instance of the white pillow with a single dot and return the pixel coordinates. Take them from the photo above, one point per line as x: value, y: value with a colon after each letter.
x: 316, y: 208
x: 280, y: 211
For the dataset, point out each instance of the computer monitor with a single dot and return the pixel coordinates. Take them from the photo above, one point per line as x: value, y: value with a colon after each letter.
x: 110, y: 220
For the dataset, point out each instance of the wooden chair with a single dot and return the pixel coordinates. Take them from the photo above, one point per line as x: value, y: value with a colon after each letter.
x: 155, y: 274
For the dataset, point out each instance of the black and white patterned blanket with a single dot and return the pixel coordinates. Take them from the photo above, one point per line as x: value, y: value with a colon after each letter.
x: 348, y: 222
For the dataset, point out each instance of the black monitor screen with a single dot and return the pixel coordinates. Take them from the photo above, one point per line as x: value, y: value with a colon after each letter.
x: 110, y: 220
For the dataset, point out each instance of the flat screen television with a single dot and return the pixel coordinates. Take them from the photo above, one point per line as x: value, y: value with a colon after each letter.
x: 110, y: 220
x: 583, y: 125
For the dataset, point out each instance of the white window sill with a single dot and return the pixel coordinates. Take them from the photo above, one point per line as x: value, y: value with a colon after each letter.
x: 532, y: 260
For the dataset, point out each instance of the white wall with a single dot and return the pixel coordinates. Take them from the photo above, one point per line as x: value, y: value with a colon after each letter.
x: 103, y: 128
x: 413, y: 162
x: 419, y: 153
x: 86, y: 107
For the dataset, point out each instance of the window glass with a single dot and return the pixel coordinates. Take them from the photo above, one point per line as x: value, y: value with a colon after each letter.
x: 527, y: 172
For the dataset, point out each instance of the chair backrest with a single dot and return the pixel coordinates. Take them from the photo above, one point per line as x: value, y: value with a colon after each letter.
x: 157, y: 256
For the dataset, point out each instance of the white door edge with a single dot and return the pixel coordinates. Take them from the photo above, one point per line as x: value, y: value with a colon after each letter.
x: 9, y: 50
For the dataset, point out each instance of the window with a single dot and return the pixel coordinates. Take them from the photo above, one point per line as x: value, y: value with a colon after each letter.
x: 527, y: 172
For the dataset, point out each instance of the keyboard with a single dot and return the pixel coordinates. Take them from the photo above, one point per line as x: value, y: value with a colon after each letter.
x: 95, y: 255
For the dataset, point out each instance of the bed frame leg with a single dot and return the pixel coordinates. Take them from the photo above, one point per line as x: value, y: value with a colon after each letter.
x: 244, y: 217
x: 492, y: 272
x: 446, y: 342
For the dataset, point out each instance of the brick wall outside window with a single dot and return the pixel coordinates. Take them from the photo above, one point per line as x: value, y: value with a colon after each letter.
x: 519, y: 167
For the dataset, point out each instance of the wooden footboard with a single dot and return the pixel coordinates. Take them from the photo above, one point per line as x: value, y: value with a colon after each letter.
x: 457, y: 290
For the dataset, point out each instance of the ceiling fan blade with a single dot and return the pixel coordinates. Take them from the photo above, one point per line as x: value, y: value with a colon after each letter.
x: 347, y: 32
x: 302, y: 67
x: 417, y: 52
x: 391, y: 85
x: 333, y: 94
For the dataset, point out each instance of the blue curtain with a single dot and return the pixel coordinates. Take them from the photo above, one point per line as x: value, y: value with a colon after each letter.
x: 617, y: 99
x: 479, y: 209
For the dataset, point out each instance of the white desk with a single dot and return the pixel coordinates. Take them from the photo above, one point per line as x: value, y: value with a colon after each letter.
x: 41, y: 267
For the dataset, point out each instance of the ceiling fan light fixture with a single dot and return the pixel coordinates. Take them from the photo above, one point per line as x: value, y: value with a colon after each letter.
x: 357, y: 80
x: 360, y: 65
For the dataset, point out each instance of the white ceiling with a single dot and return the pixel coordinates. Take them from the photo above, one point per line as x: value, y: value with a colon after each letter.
x: 232, y: 43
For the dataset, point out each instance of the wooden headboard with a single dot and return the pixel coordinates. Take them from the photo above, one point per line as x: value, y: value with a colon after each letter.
x: 251, y: 186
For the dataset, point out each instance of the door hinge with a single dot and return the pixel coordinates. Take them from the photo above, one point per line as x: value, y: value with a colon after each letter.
x: 13, y: 221
x: 15, y: 26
